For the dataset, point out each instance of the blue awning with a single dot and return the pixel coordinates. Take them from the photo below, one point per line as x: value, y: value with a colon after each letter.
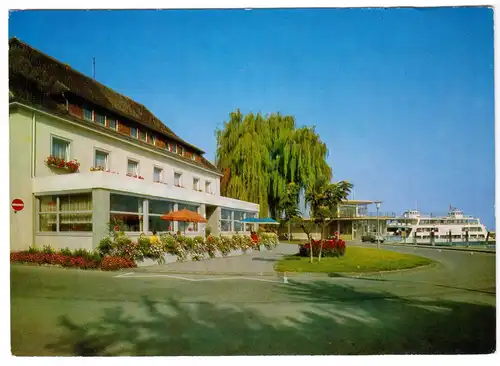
x: 264, y: 221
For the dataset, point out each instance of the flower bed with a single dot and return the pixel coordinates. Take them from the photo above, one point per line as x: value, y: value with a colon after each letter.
x: 118, y: 251
x: 79, y: 258
x: 331, y: 248
x: 167, y: 247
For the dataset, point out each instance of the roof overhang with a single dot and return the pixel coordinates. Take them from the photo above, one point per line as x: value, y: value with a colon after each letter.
x: 359, y: 202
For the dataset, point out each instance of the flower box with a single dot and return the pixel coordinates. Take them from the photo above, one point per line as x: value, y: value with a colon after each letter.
x: 135, y: 176
x: 54, y: 162
x: 102, y: 169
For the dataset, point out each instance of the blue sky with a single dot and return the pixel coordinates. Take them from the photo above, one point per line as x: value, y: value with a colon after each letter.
x: 404, y: 98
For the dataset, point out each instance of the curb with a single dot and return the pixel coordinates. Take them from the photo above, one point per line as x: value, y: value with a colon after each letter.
x: 479, y: 250
x: 295, y: 274
x: 211, y: 273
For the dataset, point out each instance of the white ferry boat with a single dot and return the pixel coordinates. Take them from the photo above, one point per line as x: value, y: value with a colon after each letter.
x: 455, y: 227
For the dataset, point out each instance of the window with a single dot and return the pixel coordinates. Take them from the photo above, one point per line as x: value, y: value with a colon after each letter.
x: 127, y: 210
x: 180, y: 151
x: 87, y: 114
x: 112, y: 123
x: 157, y: 174
x: 225, y: 221
x: 101, y: 160
x: 208, y: 187
x: 231, y: 220
x: 65, y: 213
x: 238, y: 216
x: 158, y: 208
x: 132, y: 167
x: 60, y: 148
x: 196, y: 184
x: 187, y: 226
x: 133, y: 132
x: 99, y: 118
x: 153, y: 139
x: 249, y: 227
x: 173, y: 148
x: 178, y: 179
x: 193, y: 157
x: 143, y: 135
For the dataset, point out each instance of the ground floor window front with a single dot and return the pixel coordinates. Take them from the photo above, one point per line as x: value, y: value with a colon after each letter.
x: 187, y: 226
x: 128, y: 210
x: 142, y: 215
x: 231, y: 220
x: 158, y: 208
x: 64, y: 213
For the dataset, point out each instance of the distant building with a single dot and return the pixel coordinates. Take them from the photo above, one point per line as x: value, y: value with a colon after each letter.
x: 132, y: 167
x: 353, y: 221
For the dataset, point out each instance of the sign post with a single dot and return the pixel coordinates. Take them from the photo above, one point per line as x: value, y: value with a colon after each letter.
x: 17, y: 204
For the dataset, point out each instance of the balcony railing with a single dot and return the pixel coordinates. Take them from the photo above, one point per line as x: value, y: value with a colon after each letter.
x: 366, y: 214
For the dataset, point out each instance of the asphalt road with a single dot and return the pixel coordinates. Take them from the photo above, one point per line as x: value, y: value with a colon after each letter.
x: 447, y: 308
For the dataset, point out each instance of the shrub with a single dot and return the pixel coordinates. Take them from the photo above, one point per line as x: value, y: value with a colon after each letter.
x: 270, y: 240
x: 246, y: 242
x: 124, y: 247
x: 105, y: 246
x: 87, y: 255
x: 33, y: 249
x: 224, y: 245
x: 66, y: 251
x: 189, y: 243
x: 208, y: 231
x: 115, y: 263
x: 156, y: 251
x: 211, y: 245
x: 47, y: 249
x: 144, y: 243
x: 168, y: 242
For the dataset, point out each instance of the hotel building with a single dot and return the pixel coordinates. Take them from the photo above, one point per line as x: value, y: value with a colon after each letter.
x: 132, y: 167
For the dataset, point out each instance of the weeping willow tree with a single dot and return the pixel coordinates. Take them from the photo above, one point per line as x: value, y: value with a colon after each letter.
x: 260, y: 155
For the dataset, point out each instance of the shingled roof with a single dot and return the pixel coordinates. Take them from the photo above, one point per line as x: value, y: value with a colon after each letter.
x: 51, y: 76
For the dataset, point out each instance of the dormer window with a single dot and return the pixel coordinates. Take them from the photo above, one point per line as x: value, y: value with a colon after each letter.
x: 99, y: 118
x: 87, y: 114
x: 111, y: 123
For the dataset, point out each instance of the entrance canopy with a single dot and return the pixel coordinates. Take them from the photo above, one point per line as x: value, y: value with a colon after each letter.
x: 263, y: 221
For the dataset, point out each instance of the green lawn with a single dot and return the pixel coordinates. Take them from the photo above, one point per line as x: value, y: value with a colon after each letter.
x: 356, y: 260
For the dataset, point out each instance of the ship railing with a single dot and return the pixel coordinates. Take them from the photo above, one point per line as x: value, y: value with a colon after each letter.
x: 366, y: 214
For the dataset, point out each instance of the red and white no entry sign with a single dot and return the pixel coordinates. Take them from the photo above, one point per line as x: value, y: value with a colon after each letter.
x: 17, y: 204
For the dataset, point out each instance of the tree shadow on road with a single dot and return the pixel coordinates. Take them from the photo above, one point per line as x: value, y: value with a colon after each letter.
x: 332, y: 320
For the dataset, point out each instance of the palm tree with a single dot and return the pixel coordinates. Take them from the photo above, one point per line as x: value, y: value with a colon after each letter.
x: 324, y: 199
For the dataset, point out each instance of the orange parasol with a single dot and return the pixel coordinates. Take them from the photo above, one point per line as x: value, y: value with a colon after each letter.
x: 184, y: 215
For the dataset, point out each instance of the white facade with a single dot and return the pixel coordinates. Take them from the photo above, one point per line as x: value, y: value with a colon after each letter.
x: 32, y: 134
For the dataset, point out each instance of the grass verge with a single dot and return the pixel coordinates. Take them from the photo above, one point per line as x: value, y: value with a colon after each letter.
x: 356, y: 260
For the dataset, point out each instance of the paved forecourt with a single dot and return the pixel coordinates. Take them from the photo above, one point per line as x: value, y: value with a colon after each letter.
x: 72, y: 312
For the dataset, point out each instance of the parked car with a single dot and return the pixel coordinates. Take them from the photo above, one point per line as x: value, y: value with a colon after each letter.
x: 372, y: 238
